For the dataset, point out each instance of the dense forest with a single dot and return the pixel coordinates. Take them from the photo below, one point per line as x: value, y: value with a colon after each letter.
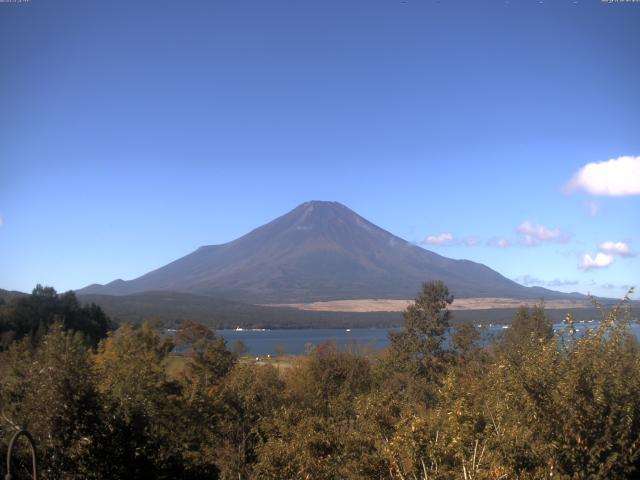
x: 103, y: 404
x: 32, y: 315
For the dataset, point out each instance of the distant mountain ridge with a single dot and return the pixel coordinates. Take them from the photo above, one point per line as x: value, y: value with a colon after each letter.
x: 319, y: 251
x: 7, y: 295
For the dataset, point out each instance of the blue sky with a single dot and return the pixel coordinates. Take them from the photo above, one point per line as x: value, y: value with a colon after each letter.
x: 134, y: 132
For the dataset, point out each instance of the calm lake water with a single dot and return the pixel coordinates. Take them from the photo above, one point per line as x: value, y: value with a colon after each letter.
x: 294, y: 341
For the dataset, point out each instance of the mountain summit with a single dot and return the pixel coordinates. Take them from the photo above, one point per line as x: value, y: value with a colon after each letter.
x: 318, y: 251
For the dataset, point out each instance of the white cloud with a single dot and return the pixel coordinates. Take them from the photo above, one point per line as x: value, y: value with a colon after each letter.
x: 530, y: 280
x: 1, y: 221
x: 448, y: 239
x: 441, y: 239
x: 534, y: 234
x: 616, y: 248
x: 605, y: 255
x: 499, y: 242
x: 615, y: 177
x: 593, y: 207
x: 601, y: 260
x: 611, y: 286
x: 561, y: 283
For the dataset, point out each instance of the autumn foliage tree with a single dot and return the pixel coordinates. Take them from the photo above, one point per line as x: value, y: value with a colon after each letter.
x: 439, y: 403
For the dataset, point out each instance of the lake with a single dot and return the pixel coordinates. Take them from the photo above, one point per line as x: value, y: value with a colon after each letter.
x: 294, y: 341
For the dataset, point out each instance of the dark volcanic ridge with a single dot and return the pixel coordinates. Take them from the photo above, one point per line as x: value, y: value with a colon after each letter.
x: 319, y: 251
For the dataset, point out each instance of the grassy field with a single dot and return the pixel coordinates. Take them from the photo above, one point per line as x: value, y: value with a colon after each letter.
x: 384, y: 305
x: 176, y: 364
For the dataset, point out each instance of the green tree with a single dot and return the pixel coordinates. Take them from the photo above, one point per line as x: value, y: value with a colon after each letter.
x: 466, y: 341
x: 316, y: 433
x: 31, y: 316
x: 570, y: 409
x: 248, y: 396
x: 311, y: 446
x: 50, y: 390
x: 530, y: 324
x: 415, y: 359
x: 142, y: 405
x: 210, y: 359
x: 326, y: 381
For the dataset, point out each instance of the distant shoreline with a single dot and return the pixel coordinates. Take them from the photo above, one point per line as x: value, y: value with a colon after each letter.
x: 383, y: 305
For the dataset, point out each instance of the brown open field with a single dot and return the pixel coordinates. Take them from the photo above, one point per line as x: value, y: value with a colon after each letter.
x: 377, y: 305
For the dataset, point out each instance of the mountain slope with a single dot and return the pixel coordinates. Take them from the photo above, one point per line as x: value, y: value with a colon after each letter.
x: 7, y: 295
x: 318, y: 251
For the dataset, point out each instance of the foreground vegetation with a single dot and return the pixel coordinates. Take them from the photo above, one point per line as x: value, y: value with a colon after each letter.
x: 532, y: 405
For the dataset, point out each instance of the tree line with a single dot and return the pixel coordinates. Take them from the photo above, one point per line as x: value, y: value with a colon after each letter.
x: 436, y: 404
